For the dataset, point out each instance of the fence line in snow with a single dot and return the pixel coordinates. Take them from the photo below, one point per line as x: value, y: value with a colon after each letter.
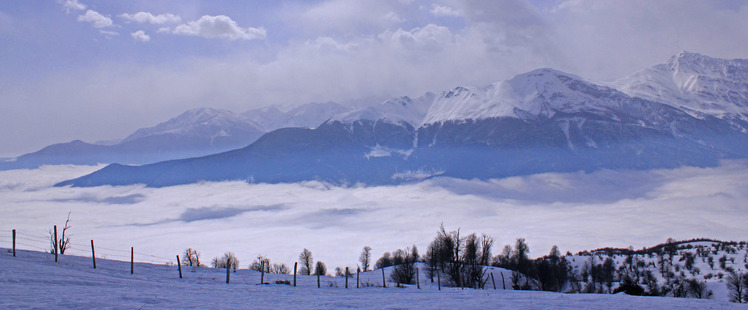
x: 26, y: 241
x: 46, y: 245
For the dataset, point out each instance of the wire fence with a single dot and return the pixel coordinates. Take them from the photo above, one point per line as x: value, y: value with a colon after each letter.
x: 32, y: 242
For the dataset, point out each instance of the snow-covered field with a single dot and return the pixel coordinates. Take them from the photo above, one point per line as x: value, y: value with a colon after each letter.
x: 35, y: 280
x: 576, y: 211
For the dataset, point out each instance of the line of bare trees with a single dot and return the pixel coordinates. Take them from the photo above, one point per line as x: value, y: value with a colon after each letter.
x: 461, y: 260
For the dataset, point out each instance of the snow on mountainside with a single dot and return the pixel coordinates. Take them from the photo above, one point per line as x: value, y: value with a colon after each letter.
x: 394, y: 111
x: 541, y: 92
x: 196, y: 132
x: 308, y: 115
x: 695, y: 83
x: 541, y: 121
x: 202, y: 122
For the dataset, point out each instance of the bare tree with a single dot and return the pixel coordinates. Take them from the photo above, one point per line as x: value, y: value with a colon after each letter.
x: 365, y: 258
x: 405, y: 271
x: 64, y: 242
x: 485, y: 247
x: 306, y: 261
x: 551, y: 271
x: 736, y: 287
x: 320, y: 268
x: 504, y: 259
x: 472, y: 273
x: 432, y: 259
x: 698, y: 289
x: 520, y: 258
x: 385, y: 261
x: 281, y: 268
x: 191, y: 257
x: 228, y: 260
x: 259, y: 263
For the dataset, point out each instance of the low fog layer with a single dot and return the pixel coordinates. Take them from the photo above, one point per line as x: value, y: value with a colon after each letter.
x: 575, y: 211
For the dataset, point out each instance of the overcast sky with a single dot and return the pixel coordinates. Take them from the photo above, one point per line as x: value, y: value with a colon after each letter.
x: 97, y: 70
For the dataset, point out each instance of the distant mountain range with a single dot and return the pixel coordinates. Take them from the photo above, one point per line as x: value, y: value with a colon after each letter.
x: 196, y: 132
x: 691, y: 110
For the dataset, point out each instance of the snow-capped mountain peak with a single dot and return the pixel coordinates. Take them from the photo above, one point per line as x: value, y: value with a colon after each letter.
x: 200, y: 122
x: 695, y: 63
x: 308, y: 115
x: 541, y: 92
x: 699, y: 84
x: 396, y: 111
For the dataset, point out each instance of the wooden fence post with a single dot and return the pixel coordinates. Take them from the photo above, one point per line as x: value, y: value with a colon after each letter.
x: 132, y: 260
x: 358, y: 272
x: 418, y: 279
x: 14, y: 243
x: 493, y: 281
x: 93, y: 254
x: 179, y: 265
x: 318, y: 285
x: 502, y: 281
x: 55, y: 243
x: 439, y: 279
x: 384, y: 282
x: 262, y: 272
x: 483, y: 283
x: 346, y: 277
x: 228, y: 270
x: 295, y: 264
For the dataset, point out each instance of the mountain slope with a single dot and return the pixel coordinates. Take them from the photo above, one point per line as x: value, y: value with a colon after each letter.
x: 193, y: 133
x: 541, y: 121
x: 698, y: 84
x: 308, y: 115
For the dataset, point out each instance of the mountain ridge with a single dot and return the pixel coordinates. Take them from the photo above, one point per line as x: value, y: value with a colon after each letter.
x: 544, y: 120
x: 698, y: 84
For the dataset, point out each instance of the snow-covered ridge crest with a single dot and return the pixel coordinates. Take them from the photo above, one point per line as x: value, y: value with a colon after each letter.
x: 698, y: 84
x: 541, y: 92
x: 398, y: 110
x: 538, y: 93
x: 200, y: 122
x: 308, y: 115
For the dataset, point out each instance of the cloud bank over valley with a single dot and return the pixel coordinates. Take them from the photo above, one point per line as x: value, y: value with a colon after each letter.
x: 575, y: 211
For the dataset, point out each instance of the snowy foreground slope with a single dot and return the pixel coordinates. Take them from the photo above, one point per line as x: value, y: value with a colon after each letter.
x: 34, y: 280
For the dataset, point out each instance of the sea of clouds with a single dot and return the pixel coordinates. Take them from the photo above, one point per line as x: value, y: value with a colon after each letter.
x: 575, y: 211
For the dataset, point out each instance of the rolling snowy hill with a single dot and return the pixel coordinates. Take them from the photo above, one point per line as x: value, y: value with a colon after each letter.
x: 35, y: 280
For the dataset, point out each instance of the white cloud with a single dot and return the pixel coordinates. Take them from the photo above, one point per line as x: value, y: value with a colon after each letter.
x: 440, y: 10
x: 96, y: 19
x: 72, y: 5
x: 146, y: 17
x: 575, y: 211
x: 431, y: 37
x: 220, y: 26
x: 140, y: 36
x: 393, y: 18
x: 108, y: 33
x: 345, y: 50
x: 328, y: 18
x: 610, y: 39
